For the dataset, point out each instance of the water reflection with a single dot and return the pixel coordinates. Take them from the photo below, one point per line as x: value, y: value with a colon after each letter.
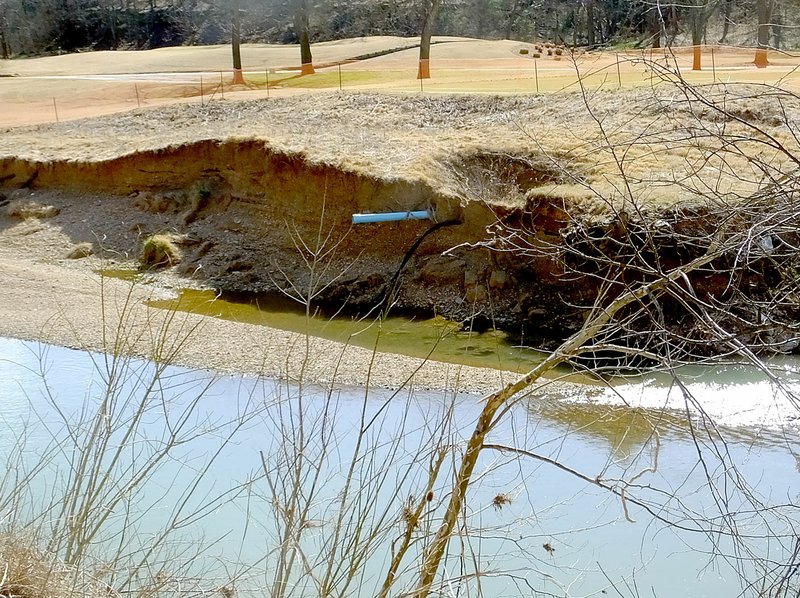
x: 552, y: 532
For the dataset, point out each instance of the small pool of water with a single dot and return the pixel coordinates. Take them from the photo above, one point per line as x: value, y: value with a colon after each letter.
x: 425, y: 338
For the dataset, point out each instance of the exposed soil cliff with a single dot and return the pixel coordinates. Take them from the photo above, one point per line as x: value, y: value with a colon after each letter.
x: 253, y: 219
x: 528, y: 221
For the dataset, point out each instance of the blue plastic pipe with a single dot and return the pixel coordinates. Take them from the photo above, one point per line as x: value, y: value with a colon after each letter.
x: 391, y: 217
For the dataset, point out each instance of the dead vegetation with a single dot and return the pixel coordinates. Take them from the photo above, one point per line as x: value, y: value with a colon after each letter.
x: 28, y: 572
x: 414, y: 138
x: 24, y: 210
x: 160, y: 251
x: 80, y: 251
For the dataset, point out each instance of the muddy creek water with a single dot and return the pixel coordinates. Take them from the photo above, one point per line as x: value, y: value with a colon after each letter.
x: 426, y: 338
x: 727, y: 388
x: 531, y: 525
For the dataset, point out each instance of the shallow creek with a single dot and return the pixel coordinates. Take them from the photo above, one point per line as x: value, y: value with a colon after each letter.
x: 734, y: 394
x: 529, y: 526
x: 425, y: 338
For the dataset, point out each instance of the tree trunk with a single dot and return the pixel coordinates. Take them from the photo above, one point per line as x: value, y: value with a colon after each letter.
x: 151, y: 19
x: 424, y: 70
x: 303, y: 38
x: 698, y: 29
x: 764, y: 13
x: 480, y: 7
x: 557, y: 29
x: 574, y: 19
x: 673, y: 25
x: 238, y: 77
x: 726, y: 20
x: 590, y: 24
x: 5, y: 50
x: 654, y: 26
x: 510, y: 20
x: 778, y: 22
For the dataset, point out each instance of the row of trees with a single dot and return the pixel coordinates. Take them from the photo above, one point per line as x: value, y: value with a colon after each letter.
x: 49, y: 26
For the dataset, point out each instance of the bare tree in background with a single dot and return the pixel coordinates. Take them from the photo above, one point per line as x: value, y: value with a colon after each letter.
x: 725, y: 14
x: 590, y: 23
x: 430, y: 11
x: 301, y: 30
x: 764, y: 10
x: 236, y: 49
x: 698, y: 17
x: 5, y: 49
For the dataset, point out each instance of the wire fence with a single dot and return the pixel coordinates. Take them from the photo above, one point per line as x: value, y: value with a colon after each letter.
x: 545, y: 70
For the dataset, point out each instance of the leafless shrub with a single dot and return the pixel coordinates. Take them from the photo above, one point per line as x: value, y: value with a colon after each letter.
x: 719, y: 276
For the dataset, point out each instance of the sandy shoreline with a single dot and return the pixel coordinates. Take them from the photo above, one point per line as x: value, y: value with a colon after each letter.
x: 67, y: 303
x: 47, y: 298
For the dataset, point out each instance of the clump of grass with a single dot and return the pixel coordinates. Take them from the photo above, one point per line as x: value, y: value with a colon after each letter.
x: 80, y: 251
x: 523, y: 51
x: 30, y: 209
x: 160, y: 251
x: 559, y: 51
x: 28, y: 572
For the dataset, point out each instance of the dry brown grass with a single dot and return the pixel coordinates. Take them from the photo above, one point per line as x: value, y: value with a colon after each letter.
x: 24, y: 209
x: 654, y: 135
x: 28, y: 572
x: 160, y: 251
x: 80, y: 251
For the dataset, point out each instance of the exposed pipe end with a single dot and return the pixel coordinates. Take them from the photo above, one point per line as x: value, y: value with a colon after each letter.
x: 392, y: 216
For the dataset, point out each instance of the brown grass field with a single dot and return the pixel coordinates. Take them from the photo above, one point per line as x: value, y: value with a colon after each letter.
x: 482, y: 97
x: 69, y: 87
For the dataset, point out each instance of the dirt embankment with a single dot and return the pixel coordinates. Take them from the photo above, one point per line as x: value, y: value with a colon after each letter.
x: 250, y: 218
x: 259, y: 196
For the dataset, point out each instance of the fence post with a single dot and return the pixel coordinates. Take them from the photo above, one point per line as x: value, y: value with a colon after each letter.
x: 221, y: 85
x: 713, y: 66
x: 619, y: 73
x: 266, y: 72
x: 201, y: 90
x: 136, y: 89
x: 55, y: 109
x: 536, y: 73
x: 340, y: 77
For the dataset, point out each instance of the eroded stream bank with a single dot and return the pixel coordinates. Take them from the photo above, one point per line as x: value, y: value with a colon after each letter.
x: 518, y: 252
